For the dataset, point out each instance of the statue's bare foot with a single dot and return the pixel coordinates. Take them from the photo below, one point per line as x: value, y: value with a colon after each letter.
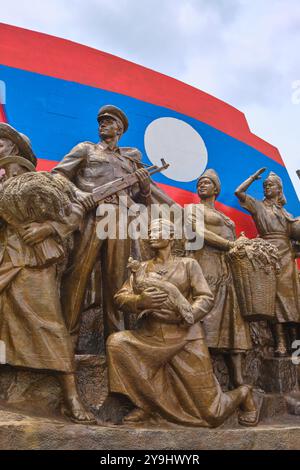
x: 248, y: 418
x: 75, y: 410
x: 136, y: 416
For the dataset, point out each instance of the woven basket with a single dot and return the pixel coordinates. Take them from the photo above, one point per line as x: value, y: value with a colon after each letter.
x: 255, y: 288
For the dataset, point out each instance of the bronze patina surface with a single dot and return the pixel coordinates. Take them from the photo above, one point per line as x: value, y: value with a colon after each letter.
x: 276, y: 225
x: 226, y: 330
x: 168, y: 341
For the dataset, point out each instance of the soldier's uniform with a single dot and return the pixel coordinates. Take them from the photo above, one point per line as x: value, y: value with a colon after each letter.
x: 89, y: 166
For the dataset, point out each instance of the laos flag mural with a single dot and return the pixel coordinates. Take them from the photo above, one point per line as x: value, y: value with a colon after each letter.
x: 53, y: 89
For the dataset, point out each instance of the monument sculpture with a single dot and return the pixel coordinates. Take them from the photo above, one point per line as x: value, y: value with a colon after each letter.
x: 164, y: 366
x: 37, y: 213
x: 226, y: 330
x: 88, y: 166
x: 186, y: 308
x: 275, y: 225
x: 255, y: 265
x: 296, y: 227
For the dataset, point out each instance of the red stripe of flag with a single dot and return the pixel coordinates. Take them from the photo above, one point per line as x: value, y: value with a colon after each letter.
x: 2, y: 114
x: 243, y: 222
x: 56, y: 57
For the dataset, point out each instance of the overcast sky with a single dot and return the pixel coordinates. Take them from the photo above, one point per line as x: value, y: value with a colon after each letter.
x: 245, y: 52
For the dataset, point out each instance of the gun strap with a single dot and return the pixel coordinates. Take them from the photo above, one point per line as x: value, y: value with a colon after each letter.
x: 136, y: 162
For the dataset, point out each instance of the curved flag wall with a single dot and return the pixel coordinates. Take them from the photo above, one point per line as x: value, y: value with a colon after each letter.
x: 54, y: 87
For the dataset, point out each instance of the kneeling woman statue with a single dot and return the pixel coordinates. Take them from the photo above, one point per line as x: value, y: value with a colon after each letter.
x: 164, y: 366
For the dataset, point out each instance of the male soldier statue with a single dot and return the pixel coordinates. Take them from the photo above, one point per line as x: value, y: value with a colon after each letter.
x: 88, y: 166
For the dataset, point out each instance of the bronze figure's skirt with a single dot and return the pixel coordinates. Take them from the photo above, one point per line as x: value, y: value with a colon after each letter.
x: 171, y: 377
x: 287, y: 308
x: 275, y: 225
x: 224, y: 326
x: 31, y: 322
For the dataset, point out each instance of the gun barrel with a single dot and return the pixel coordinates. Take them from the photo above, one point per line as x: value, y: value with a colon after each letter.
x: 151, y: 168
x: 159, y: 169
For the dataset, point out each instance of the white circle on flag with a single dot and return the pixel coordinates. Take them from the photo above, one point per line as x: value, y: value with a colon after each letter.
x: 180, y: 145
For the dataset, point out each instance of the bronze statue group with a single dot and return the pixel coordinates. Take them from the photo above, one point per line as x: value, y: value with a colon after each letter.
x: 186, y: 307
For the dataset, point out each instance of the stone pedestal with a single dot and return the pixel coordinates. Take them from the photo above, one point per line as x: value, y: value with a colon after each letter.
x: 30, y: 415
x: 274, y: 406
x: 278, y: 375
x: 19, y: 432
x: 39, y: 392
x: 293, y: 403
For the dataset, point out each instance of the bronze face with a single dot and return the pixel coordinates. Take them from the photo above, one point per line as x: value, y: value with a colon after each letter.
x: 206, y: 188
x: 6, y: 147
x: 159, y: 237
x: 109, y: 128
x: 271, y: 189
x: 159, y: 243
x: 14, y: 169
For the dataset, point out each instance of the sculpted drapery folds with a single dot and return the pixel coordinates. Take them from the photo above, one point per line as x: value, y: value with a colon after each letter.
x: 278, y: 227
x: 225, y: 329
x: 37, y: 214
x: 183, y: 306
x: 164, y: 366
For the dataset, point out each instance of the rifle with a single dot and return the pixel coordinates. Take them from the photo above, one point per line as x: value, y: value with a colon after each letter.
x: 113, y: 187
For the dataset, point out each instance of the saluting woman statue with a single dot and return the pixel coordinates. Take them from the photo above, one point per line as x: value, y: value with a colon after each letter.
x: 276, y: 225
